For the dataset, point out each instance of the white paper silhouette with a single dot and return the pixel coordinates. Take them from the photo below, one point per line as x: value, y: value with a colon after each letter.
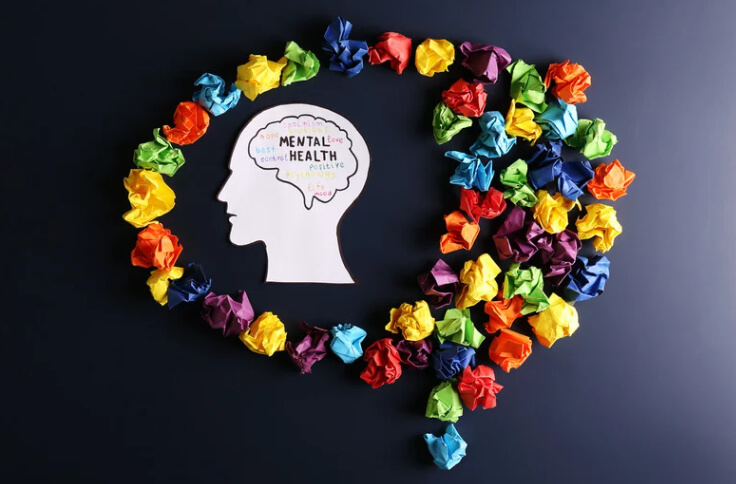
x: 295, y: 170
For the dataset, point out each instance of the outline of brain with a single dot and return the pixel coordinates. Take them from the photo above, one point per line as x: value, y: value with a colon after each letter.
x: 284, y: 167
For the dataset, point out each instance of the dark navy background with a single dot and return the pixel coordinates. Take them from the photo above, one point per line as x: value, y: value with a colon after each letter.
x: 100, y: 384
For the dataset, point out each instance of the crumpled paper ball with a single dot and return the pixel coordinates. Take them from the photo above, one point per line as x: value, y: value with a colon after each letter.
x: 311, y: 349
x: 520, y: 123
x: 415, y: 322
x: 527, y: 283
x: 439, y: 284
x: 509, y: 349
x: 551, y: 211
x: 461, y: 233
x: 149, y: 196
x: 266, y: 335
x: 519, y: 191
x: 527, y: 86
x: 346, y: 55
x: 444, y: 403
x: 415, y: 354
x: 393, y: 48
x: 571, y: 81
x: 232, y: 315
x: 478, y: 387
x: 190, y: 287
x: 470, y: 171
x: 213, y: 96
x: 559, y: 121
x: 610, y: 181
x: 601, y: 224
x: 559, y: 320
x: 384, y: 364
x: 484, y: 61
x: 493, y: 141
x: 446, y: 124
x: 587, y: 278
x: 466, y: 98
x: 190, y: 123
x: 458, y: 327
x: 592, y: 139
x: 158, y: 155
x: 449, y: 359
x: 259, y: 75
x: 448, y: 449
x: 479, y: 281
x: 346, y: 342
x: 158, y: 283
x: 433, y: 56
x: 156, y: 247
x: 502, y: 312
x: 301, y: 65
x: 476, y: 205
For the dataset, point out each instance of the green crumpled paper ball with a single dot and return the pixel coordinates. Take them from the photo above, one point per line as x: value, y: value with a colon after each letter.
x: 527, y: 283
x: 302, y: 65
x: 592, y: 139
x: 527, y: 86
x: 158, y: 155
x: 444, y: 403
x: 446, y: 124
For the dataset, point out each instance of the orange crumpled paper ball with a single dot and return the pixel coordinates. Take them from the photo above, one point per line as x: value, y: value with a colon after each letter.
x: 156, y: 247
x: 610, y: 181
x: 510, y: 349
x: 502, y: 312
x: 190, y: 123
x: 571, y: 80
x: 461, y: 233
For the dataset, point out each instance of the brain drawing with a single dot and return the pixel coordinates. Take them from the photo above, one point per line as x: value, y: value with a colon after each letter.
x: 310, y: 153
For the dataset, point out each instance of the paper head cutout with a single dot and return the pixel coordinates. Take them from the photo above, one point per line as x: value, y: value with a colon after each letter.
x: 296, y: 169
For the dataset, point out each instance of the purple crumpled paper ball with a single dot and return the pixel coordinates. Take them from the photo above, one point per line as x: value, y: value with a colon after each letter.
x: 439, y: 284
x: 415, y: 353
x: 311, y: 349
x: 232, y: 315
x: 485, y: 61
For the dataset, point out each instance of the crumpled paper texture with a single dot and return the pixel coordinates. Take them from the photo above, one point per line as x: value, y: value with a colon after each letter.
x: 587, y: 278
x: 484, y: 61
x: 433, y: 56
x: 610, y: 181
x: 479, y: 281
x: 527, y: 86
x: 393, y: 48
x: 528, y: 284
x: 571, y: 81
x: 259, y: 75
x: 551, y: 211
x: 266, y: 335
x: 520, y: 123
x: 477, y: 387
x: 213, y: 96
x: 516, y: 238
x: 461, y: 233
x: 559, y: 121
x: 466, y: 98
x: 559, y: 253
x: 346, y: 342
x: 600, y: 224
x: 158, y: 283
x: 519, y: 191
x: 477, y: 205
x: 415, y: 354
x: 493, y: 141
x: 457, y: 327
x: 448, y: 449
x: 471, y: 172
x: 592, y: 139
x: 446, y: 124
x: 509, y: 349
x: 384, y: 364
x: 559, y: 320
x: 230, y: 314
x: 149, y: 196
x: 301, y: 65
x: 415, y: 322
x: 449, y: 359
x: 156, y: 247
x: 158, y: 155
x: 311, y: 349
x: 193, y: 285
x: 439, y: 284
x: 190, y: 123
x: 502, y: 312
x: 444, y: 403
x: 345, y: 55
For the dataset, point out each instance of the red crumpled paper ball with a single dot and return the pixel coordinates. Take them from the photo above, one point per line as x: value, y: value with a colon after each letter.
x: 466, y: 98
x: 478, y: 387
x: 384, y: 364
x: 393, y: 48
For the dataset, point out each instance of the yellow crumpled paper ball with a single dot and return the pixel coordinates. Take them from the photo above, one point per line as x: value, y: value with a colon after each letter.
x: 158, y: 283
x: 266, y: 335
x: 520, y: 122
x: 433, y: 56
x: 479, y: 279
x: 149, y: 196
x: 559, y: 320
x: 600, y: 221
x: 414, y: 322
x: 551, y: 211
x: 259, y: 75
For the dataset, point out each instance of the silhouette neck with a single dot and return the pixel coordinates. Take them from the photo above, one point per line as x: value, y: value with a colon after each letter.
x: 306, y: 259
